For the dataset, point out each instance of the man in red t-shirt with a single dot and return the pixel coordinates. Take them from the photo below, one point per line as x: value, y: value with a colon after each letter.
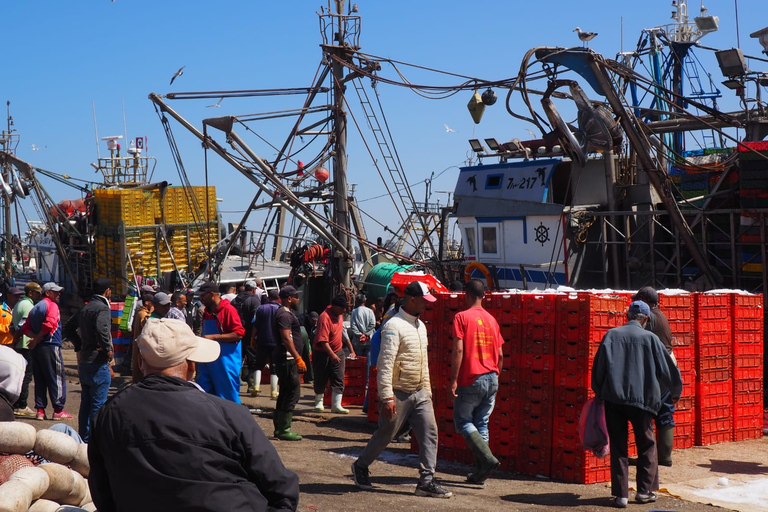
x: 475, y: 365
x: 328, y: 356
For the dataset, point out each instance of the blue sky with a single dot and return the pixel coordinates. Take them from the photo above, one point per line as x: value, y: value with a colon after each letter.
x: 60, y: 57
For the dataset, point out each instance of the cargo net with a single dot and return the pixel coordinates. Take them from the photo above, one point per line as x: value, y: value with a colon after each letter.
x: 9, y: 464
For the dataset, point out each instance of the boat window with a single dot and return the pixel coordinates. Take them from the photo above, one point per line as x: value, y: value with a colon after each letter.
x: 470, y: 237
x: 493, y: 181
x: 489, y: 240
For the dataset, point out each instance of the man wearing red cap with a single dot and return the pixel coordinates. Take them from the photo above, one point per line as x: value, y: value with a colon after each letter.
x: 405, y: 392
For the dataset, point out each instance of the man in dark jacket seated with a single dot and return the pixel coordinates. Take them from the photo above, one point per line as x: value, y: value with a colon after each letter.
x: 164, y: 444
x: 630, y: 371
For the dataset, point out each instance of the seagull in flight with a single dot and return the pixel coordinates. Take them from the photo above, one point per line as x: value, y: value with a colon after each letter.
x: 448, y: 129
x: 35, y: 148
x: 178, y: 74
x: 585, y: 37
x: 218, y: 103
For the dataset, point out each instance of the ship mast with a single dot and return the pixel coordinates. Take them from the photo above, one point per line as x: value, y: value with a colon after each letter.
x: 7, y: 146
x: 340, y: 50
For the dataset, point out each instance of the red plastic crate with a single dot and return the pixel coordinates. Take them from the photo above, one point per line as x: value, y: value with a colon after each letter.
x: 748, y: 386
x: 674, y: 314
x: 573, y: 364
x: 582, y: 475
x: 749, y: 324
x: 682, y: 339
x: 572, y: 397
x: 568, y: 380
x: 714, y: 432
x: 747, y: 416
x: 714, y: 333
x: 686, y: 403
x: 684, y: 435
x: 748, y: 433
x: 747, y: 349
x: 706, y: 389
x: 685, y: 300
x: 713, y: 300
x: 686, y: 358
x: 682, y: 326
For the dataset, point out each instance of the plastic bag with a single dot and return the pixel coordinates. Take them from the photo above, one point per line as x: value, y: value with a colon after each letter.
x: 593, y: 430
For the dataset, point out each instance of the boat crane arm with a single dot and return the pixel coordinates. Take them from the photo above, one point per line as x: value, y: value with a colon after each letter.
x: 286, y: 198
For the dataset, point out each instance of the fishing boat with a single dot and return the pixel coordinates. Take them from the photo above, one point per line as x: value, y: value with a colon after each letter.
x: 618, y: 198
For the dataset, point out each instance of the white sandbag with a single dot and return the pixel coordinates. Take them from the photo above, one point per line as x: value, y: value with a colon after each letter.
x: 15, y: 496
x: 34, y: 478
x: 80, y: 462
x: 61, y: 481
x: 44, y: 506
x: 87, y: 499
x: 55, y: 446
x: 16, y: 437
x: 78, y: 492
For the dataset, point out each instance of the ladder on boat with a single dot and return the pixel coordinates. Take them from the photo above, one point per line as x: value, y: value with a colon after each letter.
x: 392, y: 162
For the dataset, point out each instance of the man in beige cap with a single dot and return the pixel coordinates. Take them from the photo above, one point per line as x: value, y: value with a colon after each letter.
x: 198, y: 445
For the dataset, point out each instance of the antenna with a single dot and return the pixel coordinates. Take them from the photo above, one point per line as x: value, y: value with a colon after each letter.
x: 125, y: 126
x: 95, y: 129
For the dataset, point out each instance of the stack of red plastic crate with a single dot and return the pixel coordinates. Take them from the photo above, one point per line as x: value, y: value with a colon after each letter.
x: 505, y: 425
x: 536, y: 384
x: 679, y: 308
x: 581, y: 320
x: 747, y: 366
x: 714, y: 393
x: 354, y: 383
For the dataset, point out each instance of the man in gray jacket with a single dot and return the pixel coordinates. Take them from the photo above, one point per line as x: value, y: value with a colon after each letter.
x: 405, y: 393
x: 630, y: 370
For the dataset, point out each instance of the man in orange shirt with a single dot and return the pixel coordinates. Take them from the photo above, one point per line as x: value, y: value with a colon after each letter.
x: 475, y: 365
x: 328, y: 355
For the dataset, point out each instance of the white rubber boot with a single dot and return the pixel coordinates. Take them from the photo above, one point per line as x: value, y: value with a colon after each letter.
x: 274, y: 386
x: 256, y: 383
x: 336, y: 404
x: 319, y: 402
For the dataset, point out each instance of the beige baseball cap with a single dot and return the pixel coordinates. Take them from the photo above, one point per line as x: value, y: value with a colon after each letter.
x: 167, y: 342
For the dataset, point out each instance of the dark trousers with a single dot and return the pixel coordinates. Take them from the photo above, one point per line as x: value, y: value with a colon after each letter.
x: 48, y: 371
x: 616, y: 418
x: 263, y: 355
x: 327, y: 370
x: 665, y: 417
x: 21, y: 403
x: 290, y: 385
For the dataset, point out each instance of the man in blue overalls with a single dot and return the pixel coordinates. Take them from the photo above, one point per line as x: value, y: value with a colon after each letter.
x: 221, y: 323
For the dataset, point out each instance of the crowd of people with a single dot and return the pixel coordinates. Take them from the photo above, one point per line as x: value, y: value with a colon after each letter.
x: 188, y: 357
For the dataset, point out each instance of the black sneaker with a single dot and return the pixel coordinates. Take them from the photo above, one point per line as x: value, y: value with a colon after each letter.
x: 642, y: 497
x: 361, y: 477
x: 432, y: 490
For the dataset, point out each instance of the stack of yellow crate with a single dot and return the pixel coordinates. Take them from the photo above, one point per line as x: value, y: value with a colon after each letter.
x: 129, y: 223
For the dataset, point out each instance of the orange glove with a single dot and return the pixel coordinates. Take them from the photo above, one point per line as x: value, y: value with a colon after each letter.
x: 301, y: 365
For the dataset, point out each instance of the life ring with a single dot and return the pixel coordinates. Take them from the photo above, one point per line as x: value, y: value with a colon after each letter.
x: 482, y: 268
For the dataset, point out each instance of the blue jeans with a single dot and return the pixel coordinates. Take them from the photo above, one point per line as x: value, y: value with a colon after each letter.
x: 474, y: 405
x: 95, y: 381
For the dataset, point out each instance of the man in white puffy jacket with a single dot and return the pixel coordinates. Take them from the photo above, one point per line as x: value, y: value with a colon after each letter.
x: 405, y: 393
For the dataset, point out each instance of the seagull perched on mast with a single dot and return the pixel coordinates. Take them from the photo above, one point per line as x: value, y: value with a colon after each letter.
x: 585, y: 37
x: 180, y: 72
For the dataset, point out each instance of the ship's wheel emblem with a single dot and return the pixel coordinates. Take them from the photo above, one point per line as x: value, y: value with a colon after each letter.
x: 542, y: 234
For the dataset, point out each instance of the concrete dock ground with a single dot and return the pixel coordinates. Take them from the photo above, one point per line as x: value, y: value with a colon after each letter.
x: 332, y: 442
